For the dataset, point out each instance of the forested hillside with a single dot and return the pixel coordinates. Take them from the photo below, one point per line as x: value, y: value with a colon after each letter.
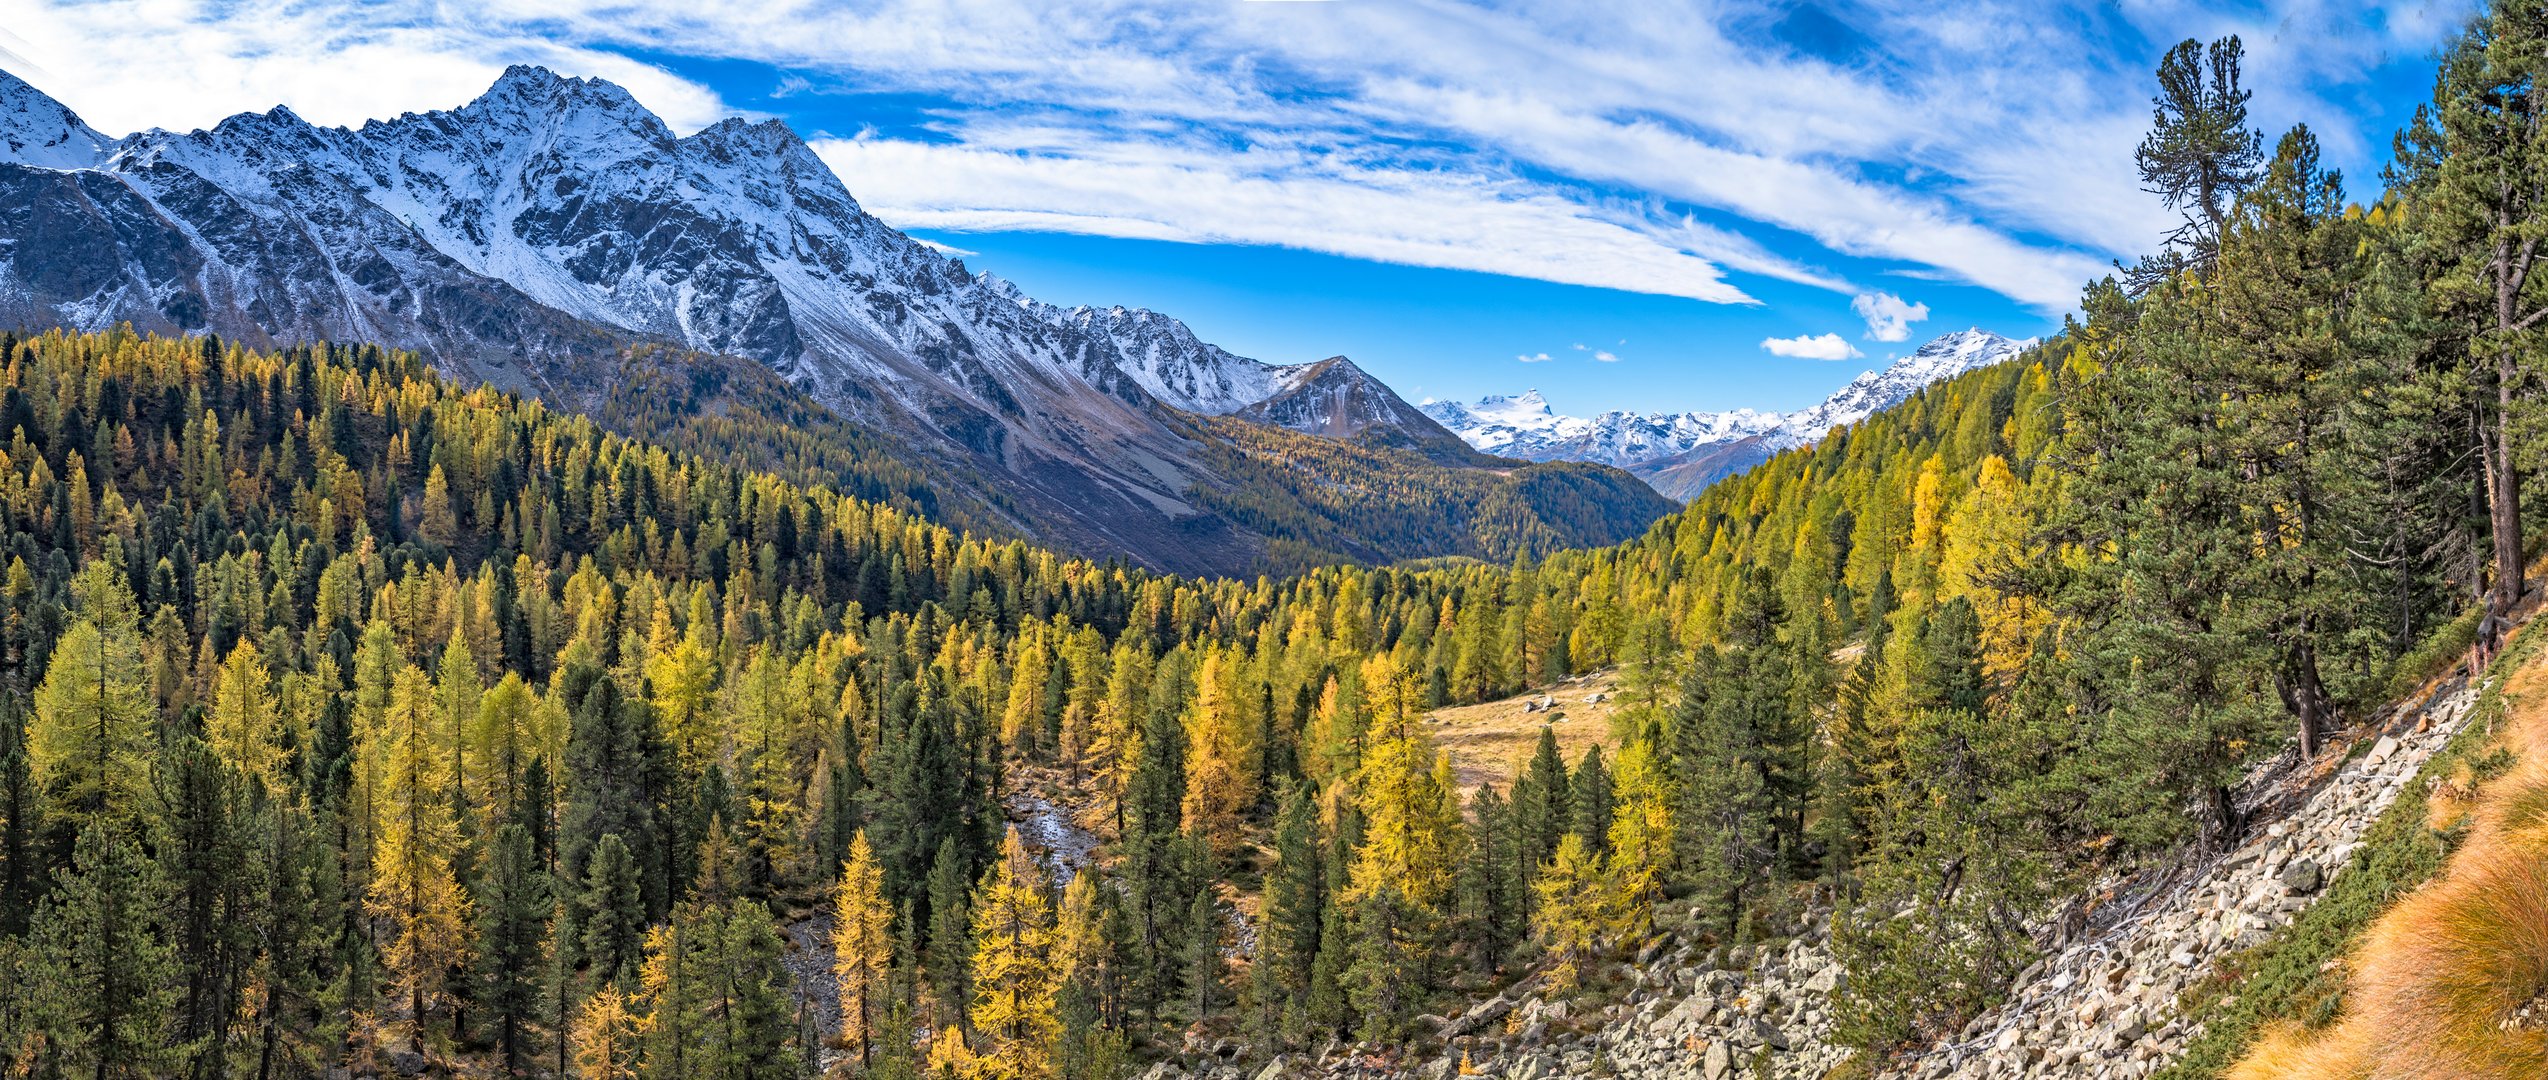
x: 351, y: 717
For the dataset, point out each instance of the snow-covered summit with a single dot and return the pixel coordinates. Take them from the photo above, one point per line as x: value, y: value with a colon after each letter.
x: 37, y: 130
x: 552, y: 221
x: 1525, y: 426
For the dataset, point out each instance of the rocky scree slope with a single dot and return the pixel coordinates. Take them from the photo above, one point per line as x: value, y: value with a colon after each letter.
x: 2104, y: 1001
x: 2101, y: 1003
x: 528, y: 237
x: 1680, y: 454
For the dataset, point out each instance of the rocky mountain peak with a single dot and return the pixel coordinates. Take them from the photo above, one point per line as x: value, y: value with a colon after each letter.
x: 528, y: 89
x: 554, y: 219
x: 1652, y: 444
x: 530, y: 111
x: 1958, y: 352
x: 37, y: 130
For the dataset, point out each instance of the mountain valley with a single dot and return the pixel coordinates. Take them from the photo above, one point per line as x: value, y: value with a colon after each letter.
x: 535, y: 236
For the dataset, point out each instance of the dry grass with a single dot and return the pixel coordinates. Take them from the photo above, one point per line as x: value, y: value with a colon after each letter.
x: 2442, y: 972
x: 1488, y: 741
x: 2437, y: 982
x: 2291, y: 1052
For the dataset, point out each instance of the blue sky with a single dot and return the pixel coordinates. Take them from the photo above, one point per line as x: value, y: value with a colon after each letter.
x: 1626, y: 203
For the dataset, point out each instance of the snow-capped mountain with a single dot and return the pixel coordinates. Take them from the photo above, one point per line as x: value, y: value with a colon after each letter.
x: 556, y: 219
x: 1524, y: 426
x: 38, y: 130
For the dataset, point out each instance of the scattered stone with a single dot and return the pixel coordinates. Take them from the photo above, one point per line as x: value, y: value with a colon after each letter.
x: 1717, y: 1063
x: 2302, y: 877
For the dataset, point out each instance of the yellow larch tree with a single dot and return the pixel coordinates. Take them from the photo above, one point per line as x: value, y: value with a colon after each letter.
x: 606, y: 1036
x: 244, y: 727
x: 1413, y: 832
x: 1079, y: 933
x: 861, y: 946
x: 1014, y: 976
x: 1640, y: 832
x: 1394, y: 694
x: 458, y: 693
x: 1022, y: 721
x: 1117, y: 744
x: 412, y: 888
x: 1987, y: 534
x: 1219, y: 784
x: 1573, y: 913
x: 90, y: 741
x: 680, y: 669
x: 766, y: 721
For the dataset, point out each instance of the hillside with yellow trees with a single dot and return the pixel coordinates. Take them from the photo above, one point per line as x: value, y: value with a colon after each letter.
x: 353, y: 718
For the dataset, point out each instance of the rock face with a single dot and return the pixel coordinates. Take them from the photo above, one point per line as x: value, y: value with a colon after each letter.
x: 1682, y: 453
x: 555, y: 220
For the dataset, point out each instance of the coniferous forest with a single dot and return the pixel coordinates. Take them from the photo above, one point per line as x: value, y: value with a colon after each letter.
x: 351, y: 718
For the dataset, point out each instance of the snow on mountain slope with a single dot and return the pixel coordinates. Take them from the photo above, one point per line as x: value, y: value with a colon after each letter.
x: 37, y: 130
x: 1524, y: 426
x: 553, y: 221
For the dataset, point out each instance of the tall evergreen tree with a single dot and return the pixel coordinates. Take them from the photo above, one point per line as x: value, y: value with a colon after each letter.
x: 111, y: 979
x: 1593, y: 801
x: 614, y: 913
x: 2200, y: 153
x: 950, y: 954
x: 513, y: 909
x: 2474, y: 162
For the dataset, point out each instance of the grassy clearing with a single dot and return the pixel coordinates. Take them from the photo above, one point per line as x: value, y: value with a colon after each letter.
x: 2384, y: 975
x: 1488, y: 741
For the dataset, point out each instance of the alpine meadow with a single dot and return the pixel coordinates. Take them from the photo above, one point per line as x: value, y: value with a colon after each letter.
x: 516, y: 590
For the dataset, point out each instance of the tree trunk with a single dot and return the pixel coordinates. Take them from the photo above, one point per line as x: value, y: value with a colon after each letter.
x: 2225, y: 818
x: 2305, y: 694
x: 2503, y: 512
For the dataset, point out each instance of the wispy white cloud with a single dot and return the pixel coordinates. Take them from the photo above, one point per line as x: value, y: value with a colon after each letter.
x: 1824, y: 347
x: 1644, y: 145
x: 1605, y: 356
x: 1408, y: 217
x: 1889, y: 317
x: 1532, y: 358
x: 126, y: 65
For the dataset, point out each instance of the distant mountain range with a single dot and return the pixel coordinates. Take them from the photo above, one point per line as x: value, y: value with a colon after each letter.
x: 552, y: 225
x: 1680, y: 454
